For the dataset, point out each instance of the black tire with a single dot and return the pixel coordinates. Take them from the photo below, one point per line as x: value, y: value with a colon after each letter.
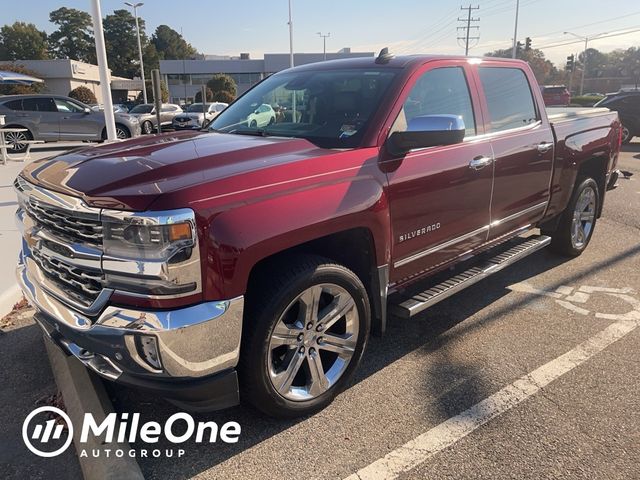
x: 253, y: 124
x: 122, y: 132
x: 14, y: 138
x: 562, y: 241
x: 267, y: 301
x: 147, y: 127
x: 627, y: 136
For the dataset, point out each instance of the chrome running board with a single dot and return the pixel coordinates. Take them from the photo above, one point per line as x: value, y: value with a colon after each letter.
x: 519, y: 249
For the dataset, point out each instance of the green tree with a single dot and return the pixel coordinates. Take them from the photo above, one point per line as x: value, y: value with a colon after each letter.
x: 208, y: 95
x: 22, y: 41
x: 170, y: 45
x: 163, y: 90
x: 74, y: 37
x: 122, y: 44
x: 542, y: 68
x: 223, y: 87
x: 20, y: 89
x: 84, y: 95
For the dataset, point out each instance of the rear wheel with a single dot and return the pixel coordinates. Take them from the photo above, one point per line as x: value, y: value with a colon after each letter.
x: 306, y: 330
x: 122, y: 132
x: 17, y: 140
x: 626, y: 135
x: 575, y: 229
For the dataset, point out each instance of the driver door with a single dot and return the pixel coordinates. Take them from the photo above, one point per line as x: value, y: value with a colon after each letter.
x: 439, y: 196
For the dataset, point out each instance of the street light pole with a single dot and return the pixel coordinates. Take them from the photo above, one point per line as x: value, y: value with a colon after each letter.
x: 135, y: 14
x: 584, y: 53
x: 324, y: 44
x: 103, y: 69
x: 290, y: 37
x: 515, y: 31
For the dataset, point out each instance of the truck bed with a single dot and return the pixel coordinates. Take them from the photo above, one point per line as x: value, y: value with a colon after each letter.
x: 559, y: 114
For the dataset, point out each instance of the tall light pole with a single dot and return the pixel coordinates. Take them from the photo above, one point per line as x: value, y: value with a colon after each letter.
x: 290, y: 37
x: 324, y: 44
x: 584, y: 53
x: 135, y: 14
x: 103, y: 69
x: 515, y: 31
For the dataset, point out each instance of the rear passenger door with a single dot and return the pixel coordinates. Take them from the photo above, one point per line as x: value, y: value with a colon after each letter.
x: 523, y: 146
x: 42, y: 113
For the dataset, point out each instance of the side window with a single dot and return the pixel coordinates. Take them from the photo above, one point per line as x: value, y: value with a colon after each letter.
x: 439, y: 91
x: 509, y: 97
x: 14, y: 105
x: 65, y: 106
x: 38, y: 104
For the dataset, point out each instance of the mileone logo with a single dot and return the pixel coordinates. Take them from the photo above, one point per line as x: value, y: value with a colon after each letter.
x: 177, y: 429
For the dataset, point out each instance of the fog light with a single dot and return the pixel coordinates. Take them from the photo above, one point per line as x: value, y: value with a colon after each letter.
x: 148, y: 350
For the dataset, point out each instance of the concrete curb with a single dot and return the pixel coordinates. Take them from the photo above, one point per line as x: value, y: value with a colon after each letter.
x: 8, y: 299
x: 83, y: 392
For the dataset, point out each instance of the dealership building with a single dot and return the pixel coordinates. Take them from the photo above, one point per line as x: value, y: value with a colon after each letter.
x: 63, y: 75
x: 186, y: 77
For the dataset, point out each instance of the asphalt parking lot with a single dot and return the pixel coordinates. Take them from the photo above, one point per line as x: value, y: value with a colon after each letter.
x: 535, y: 372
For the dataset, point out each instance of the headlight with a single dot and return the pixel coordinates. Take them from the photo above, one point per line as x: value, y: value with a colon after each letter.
x: 152, y: 253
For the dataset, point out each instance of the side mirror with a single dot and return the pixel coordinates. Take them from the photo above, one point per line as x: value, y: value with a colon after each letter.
x: 427, y: 131
x: 87, y: 110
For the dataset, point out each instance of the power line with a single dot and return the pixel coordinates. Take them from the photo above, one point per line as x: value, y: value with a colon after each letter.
x: 467, y: 28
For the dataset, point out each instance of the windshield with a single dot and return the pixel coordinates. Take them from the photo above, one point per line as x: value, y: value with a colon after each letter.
x: 329, y: 108
x: 142, y: 109
x: 197, y: 107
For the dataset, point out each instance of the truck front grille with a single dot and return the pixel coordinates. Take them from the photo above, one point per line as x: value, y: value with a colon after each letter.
x: 81, y: 284
x: 75, y: 226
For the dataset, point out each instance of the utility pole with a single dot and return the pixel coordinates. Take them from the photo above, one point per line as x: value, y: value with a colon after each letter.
x: 324, y: 44
x: 290, y: 37
x: 135, y: 14
x: 515, y: 32
x: 468, y: 27
x: 103, y: 69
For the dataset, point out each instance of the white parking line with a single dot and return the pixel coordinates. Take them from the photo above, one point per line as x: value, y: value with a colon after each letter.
x: 423, y: 447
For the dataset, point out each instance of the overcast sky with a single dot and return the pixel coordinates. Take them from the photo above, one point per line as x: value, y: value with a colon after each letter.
x: 406, y: 26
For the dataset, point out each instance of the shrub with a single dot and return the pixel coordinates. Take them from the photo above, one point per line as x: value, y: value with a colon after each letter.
x: 208, y: 94
x: 223, y: 96
x: 585, y: 100
x: 84, y: 95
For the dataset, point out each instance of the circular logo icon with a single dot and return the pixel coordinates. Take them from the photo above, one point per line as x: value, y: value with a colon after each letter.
x: 47, y: 431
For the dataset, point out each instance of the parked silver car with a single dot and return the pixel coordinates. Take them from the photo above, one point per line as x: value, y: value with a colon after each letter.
x: 195, y: 118
x: 146, y: 114
x: 53, y: 118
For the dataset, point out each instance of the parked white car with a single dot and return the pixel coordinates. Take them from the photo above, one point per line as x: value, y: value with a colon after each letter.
x: 194, y: 118
x: 262, y: 116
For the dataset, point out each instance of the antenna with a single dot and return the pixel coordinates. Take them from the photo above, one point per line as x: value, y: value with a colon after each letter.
x: 384, y: 56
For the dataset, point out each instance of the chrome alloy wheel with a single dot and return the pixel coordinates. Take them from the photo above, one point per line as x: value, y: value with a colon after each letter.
x: 121, y: 133
x: 625, y: 134
x: 16, y: 140
x: 584, y: 216
x: 313, y: 342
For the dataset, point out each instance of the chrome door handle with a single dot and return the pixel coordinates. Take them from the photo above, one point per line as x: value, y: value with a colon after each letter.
x: 544, y: 147
x: 480, y: 162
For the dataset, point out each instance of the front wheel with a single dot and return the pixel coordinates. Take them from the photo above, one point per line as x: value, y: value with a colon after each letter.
x: 306, y: 330
x: 147, y: 127
x: 578, y: 221
x: 626, y: 135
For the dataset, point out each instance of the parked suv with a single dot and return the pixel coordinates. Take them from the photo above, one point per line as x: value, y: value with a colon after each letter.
x: 627, y: 104
x: 146, y: 115
x: 555, y: 95
x: 57, y: 118
x: 194, y: 118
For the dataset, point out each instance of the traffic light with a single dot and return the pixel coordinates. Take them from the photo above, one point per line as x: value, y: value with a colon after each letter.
x: 527, y: 43
x: 519, y: 48
x: 571, y: 63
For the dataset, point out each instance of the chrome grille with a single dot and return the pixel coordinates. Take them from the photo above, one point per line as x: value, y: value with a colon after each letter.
x: 78, y: 227
x: 82, y: 284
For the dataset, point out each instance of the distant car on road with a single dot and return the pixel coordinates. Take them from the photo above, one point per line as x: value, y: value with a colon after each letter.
x: 146, y: 114
x: 627, y: 104
x: 194, y: 118
x: 593, y: 94
x: 555, y: 95
x: 262, y: 116
x: 53, y: 118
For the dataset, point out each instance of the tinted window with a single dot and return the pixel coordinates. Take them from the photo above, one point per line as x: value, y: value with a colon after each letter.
x: 38, y: 104
x: 14, y: 105
x: 508, y: 96
x: 442, y: 91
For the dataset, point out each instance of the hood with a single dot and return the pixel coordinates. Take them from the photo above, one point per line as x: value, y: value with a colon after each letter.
x: 130, y: 175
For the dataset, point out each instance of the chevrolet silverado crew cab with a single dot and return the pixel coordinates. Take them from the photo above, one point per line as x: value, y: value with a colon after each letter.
x: 252, y: 261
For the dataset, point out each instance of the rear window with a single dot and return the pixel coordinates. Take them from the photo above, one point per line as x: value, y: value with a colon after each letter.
x: 509, y: 97
x: 39, y: 105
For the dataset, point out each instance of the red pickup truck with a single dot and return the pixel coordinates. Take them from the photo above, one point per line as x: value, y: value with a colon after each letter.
x: 253, y: 261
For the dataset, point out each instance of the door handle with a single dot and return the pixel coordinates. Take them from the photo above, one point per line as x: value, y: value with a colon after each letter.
x: 544, y: 147
x: 480, y: 162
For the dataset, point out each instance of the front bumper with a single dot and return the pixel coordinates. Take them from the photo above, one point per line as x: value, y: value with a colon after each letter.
x: 187, y: 355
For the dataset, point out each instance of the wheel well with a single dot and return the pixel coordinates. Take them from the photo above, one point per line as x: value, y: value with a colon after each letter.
x: 596, y: 168
x: 353, y: 248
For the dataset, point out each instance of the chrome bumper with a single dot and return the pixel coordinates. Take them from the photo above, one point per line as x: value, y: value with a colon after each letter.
x: 185, y: 343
